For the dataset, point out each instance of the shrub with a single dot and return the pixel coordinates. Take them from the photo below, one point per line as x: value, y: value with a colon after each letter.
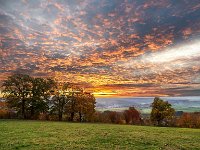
x: 43, y: 116
x: 4, y: 114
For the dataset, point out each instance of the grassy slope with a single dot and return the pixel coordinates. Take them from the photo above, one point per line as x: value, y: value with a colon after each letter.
x: 62, y: 135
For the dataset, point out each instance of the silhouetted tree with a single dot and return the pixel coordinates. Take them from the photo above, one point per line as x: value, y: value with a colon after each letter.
x: 27, y: 95
x: 71, y: 107
x: 40, y: 94
x: 60, y: 99
x: 17, y: 92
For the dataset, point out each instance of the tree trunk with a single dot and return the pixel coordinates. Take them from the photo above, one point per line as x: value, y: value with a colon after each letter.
x: 159, y: 122
x: 23, y: 109
x: 59, y: 110
x: 72, y: 116
x: 32, y: 112
x: 80, y: 117
x: 60, y: 116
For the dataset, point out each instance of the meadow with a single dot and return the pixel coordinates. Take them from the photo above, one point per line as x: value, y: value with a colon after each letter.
x: 31, y: 135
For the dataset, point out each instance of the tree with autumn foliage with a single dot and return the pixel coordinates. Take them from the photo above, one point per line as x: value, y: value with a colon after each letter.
x: 3, y: 110
x: 162, y: 112
x: 132, y: 116
x: 70, y: 100
x: 81, y: 104
x: 27, y: 95
x: 189, y: 120
x: 85, y: 106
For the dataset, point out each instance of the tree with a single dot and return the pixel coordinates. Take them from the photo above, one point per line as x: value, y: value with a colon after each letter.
x: 70, y: 99
x: 189, y: 120
x: 71, y: 107
x: 90, y: 106
x: 132, y: 116
x: 162, y: 112
x: 27, y: 95
x: 113, y: 117
x: 40, y: 93
x: 17, y: 92
x: 85, y: 105
x: 60, y: 99
x: 80, y: 103
x: 31, y: 97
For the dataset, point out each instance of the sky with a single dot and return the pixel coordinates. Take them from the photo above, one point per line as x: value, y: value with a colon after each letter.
x: 110, y: 47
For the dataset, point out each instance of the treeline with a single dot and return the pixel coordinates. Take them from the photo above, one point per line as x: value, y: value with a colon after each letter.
x: 130, y: 116
x: 39, y: 98
x: 44, y: 99
x: 162, y: 114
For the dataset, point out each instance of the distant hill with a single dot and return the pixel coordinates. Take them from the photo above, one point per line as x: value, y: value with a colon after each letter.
x: 186, y: 104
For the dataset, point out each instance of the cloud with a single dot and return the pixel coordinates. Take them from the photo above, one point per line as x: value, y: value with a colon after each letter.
x: 177, y: 57
x: 186, y: 51
x: 133, y: 47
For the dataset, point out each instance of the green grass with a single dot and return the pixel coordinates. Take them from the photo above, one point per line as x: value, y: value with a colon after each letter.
x: 31, y: 135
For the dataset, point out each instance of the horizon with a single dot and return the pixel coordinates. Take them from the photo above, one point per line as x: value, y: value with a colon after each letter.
x: 125, y: 48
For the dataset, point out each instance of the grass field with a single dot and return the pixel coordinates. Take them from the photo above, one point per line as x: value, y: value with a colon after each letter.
x: 43, y: 135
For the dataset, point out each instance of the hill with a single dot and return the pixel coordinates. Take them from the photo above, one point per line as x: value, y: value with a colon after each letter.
x: 185, y: 103
x: 29, y: 135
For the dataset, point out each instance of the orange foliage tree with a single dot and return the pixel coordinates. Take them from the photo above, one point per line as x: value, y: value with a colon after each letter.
x: 132, y: 116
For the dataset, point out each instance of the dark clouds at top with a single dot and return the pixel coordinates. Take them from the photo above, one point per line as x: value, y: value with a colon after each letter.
x: 126, y: 47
